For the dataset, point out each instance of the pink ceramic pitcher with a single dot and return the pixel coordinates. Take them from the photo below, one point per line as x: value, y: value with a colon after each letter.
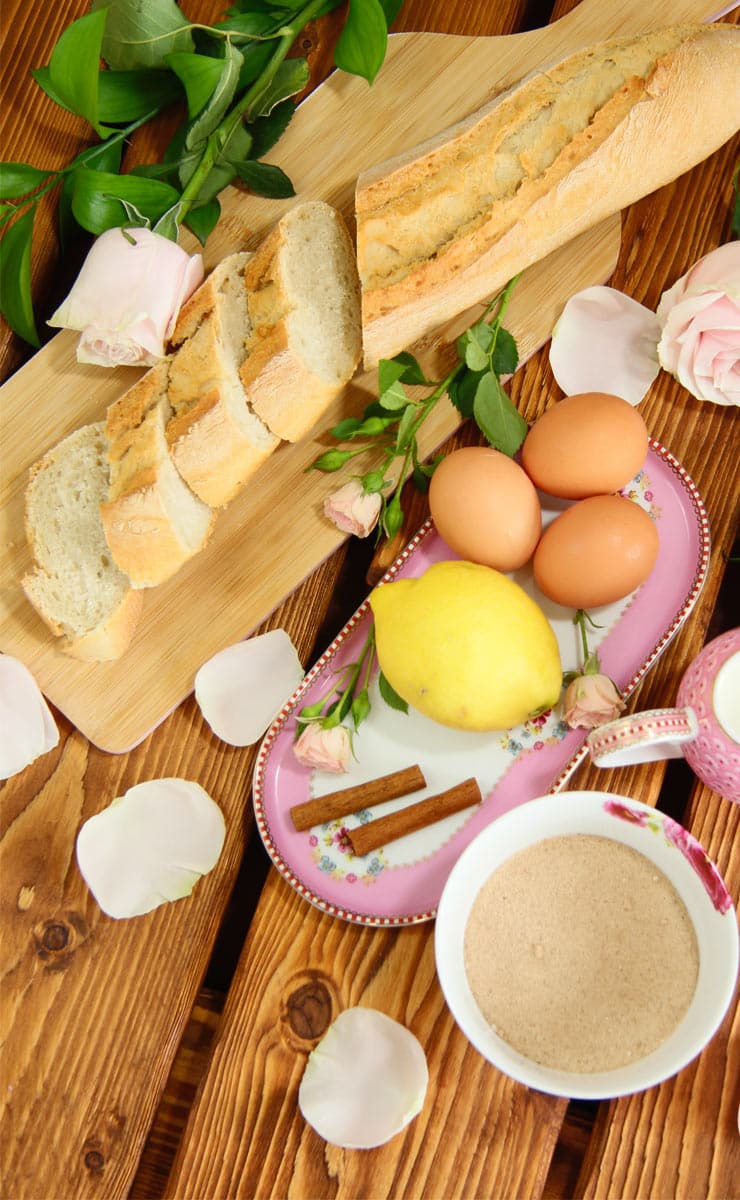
x: 704, y: 726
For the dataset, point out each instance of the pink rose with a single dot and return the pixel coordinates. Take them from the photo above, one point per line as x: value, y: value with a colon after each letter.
x: 127, y: 296
x: 695, y: 853
x: 700, y: 327
x: 590, y: 701
x: 324, y: 749
x: 352, y: 509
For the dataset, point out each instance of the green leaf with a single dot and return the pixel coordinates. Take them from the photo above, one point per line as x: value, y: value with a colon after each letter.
x: 405, y: 428
x: 266, y: 131
x: 462, y: 391
x: 96, y: 198
x: 104, y: 157
x: 391, y: 9
x: 474, y: 345
x: 198, y: 74
x: 506, y: 354
x: 496, y: 416
x: 390, y: 695
x: 125, y: 96
x: 141, y: 33
x: 291, y: 77
x: 15, y: 277
x: 362, y: 42
x: 412, y: 372
x: 211, y: 116
x: 265, y: 179
x: 390, y: 370
x: 6, y: 212
x: 346, y: 428
x: 73, y: 67
x: 18, y: 179
x: 202, y: 220
x: 394, y: 398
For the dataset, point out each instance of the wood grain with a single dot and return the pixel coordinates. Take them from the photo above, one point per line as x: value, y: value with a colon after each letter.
x: 96, y: 1009
x: 629, y: 1154
x: 53, y: 395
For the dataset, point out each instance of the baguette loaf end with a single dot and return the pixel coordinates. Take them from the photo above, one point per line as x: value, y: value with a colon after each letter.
x: 440, y: 230
x: 74, y: 585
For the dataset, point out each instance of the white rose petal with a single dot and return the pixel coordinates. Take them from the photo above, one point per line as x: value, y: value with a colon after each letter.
x: 27, y: 728
x: 364, y: 1081
x: 149, y: 846
x: 242, y: 688
x: 605, y: 342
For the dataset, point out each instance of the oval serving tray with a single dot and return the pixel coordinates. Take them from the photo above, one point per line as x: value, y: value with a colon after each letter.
x: 401, y: 883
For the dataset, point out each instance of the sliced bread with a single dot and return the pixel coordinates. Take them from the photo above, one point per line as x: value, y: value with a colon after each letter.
x: 447, y: 224
x: 152, y: 521
x: 74, y: 585
x: 304, y: 310
x: 215, y: 439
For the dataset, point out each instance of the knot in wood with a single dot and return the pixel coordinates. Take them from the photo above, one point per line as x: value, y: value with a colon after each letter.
x: 57, y: 938
x: 94, y: 1160
x: 309, y: 1010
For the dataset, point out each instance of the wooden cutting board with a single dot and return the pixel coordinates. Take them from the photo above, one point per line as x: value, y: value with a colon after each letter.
x: 274, y: 535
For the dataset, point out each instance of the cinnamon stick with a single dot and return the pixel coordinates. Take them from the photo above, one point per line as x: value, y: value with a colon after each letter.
x: 361, y: 795
x: 414, y: 816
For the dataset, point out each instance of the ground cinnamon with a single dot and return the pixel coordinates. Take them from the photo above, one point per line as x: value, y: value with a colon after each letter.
x: 376, y: 833
x: 362, y: 795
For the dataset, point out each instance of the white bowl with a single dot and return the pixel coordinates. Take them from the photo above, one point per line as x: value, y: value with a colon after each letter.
x: 681, y: 859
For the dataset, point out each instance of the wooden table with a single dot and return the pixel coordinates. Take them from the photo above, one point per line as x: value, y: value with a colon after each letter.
x: 162, y: 1056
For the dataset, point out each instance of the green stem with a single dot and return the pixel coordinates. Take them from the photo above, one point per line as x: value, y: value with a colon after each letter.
x: 580, y: 620
x: 247, y: 106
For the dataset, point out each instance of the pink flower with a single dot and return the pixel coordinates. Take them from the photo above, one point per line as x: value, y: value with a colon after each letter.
x: 590, y: 701
x: 127, y: 296
x: 635, y: 816
x: 352, y: 509
x: 694, y: 852
x: 700, y: 327
x: 324, y: 749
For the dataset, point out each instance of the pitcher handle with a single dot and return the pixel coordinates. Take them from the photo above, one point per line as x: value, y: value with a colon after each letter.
x: 648, y: 736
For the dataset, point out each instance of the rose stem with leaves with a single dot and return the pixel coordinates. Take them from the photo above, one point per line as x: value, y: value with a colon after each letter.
x: 485, y: 351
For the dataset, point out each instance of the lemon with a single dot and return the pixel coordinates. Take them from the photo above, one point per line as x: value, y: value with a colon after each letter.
x: 467, y: 646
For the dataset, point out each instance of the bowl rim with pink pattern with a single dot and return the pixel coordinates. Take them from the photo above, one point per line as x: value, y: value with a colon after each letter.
x: 682, y: 860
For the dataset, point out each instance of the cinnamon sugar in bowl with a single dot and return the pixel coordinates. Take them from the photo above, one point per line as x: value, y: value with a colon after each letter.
x: 586, y: 945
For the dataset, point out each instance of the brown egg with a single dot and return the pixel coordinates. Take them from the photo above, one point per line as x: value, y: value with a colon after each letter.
x: 585, y: 445
x: 597, y: 551
x: 485, y: 507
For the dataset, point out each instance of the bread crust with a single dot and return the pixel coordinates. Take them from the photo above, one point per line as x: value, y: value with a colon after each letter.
x: 214, y: 451
x: 640, y: 138
x: 283, y: 389
x: 144, y: 518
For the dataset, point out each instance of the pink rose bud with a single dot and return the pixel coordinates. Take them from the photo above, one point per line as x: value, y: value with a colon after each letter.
x: 590, y: 701
x: 324, y: 749
x: 700, y: 327
x: 352, y: 509
x: 127, y: 296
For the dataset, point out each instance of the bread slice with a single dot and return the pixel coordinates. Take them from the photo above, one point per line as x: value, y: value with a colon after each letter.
x: 215, y: 440
x: 449, y: 223
x: 74, y: 585
x: 304, y: 308
x: 152, y: 521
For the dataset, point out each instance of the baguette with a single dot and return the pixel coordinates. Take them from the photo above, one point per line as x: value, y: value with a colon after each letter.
x: 74, y: 585
x: 304, y: 306
x: 448, y: 224
x: 215, y: 440
x: 152, y: 521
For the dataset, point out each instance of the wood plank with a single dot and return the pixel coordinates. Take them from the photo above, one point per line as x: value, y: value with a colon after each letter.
x: 680, y: 1139
x: 53, y: 395
x: 298, y: 970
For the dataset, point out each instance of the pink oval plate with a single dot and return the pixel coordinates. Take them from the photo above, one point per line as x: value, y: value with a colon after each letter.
x: 401, y: 883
